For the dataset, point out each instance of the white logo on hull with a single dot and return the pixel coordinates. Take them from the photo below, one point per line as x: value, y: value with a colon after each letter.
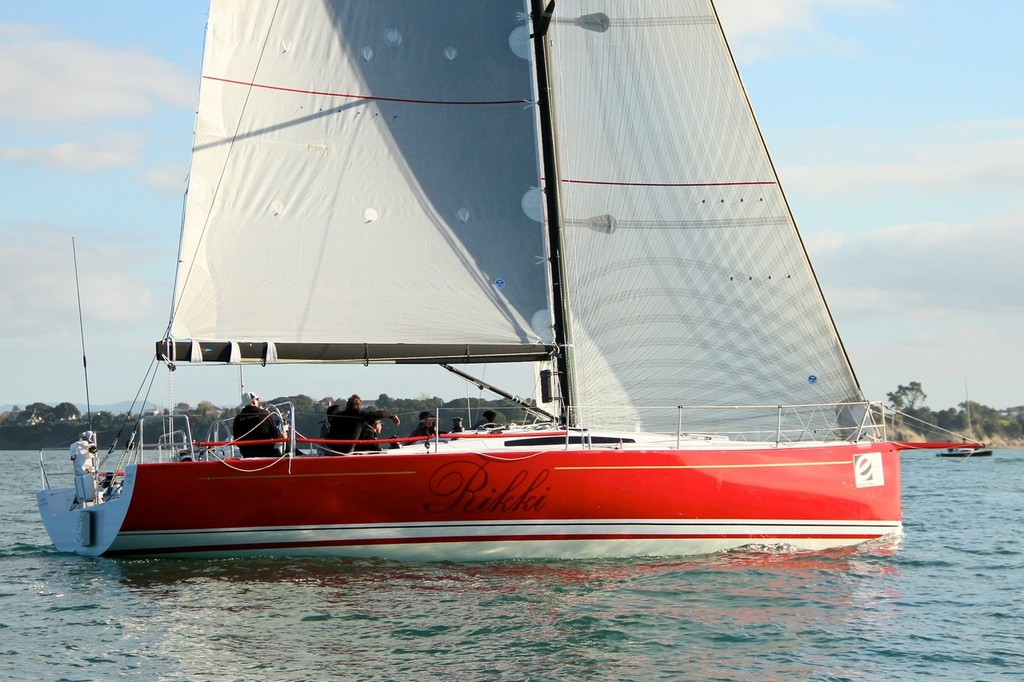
x: 867, y: 470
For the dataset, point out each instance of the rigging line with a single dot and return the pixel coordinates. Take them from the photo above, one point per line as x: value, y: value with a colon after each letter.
x: 616, y: 183
x: 935, y: 489
x: 150, y: 376
x: 124, y: 457
x: 368, y: 98
x: 482, y: 385
x: 245, y: 436
x: 223, y: 170
x: 934, y: 427
x: 253, y: 471
x: 81, y: 331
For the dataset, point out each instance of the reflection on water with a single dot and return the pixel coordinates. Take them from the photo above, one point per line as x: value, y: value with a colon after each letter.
x: 555, y: 619
x: 943, y: 602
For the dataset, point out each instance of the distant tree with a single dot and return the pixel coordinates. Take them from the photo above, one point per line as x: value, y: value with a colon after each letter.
x: 66, y: 412
x: 37, y: 413
x: 41, y: 425
x: 951, y: 419
x: 105, y: 420
x: 322, y: 404
x: 302, y: 403
x: 208, y: 409
x: 984, y: 421
x: 907, y: 397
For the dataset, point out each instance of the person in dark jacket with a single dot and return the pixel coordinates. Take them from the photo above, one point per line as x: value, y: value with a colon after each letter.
x: 371, y: 432
x: 427, y: 425
x: 348, y: 424
x: 255, y: 423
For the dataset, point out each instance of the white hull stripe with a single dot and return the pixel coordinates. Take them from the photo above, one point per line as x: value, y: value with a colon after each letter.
x: 376, y: 534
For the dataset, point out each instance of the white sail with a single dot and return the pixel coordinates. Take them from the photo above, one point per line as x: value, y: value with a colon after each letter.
x: 364, y: 186
x: 687, y: 282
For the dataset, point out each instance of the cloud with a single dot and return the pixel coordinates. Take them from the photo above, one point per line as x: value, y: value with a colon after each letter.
x: 925, y: 269
x: 942, y: 160
x: 120, y: 150
x: 931, y: 292
x: 40, y: 298
x: 932, y: 302
x: 167, y: 179
x: 45, y: 77
x: 74, y: 106
x: 759, y: 30
x: 123, y: 287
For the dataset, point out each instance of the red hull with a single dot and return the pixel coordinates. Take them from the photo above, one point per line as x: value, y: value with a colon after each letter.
x: 374, y: 504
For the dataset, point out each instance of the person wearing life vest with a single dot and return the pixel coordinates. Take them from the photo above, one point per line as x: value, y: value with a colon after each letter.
x: 83, y: 455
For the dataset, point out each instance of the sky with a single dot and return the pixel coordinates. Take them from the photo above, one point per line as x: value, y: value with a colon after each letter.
x: 896, y: 127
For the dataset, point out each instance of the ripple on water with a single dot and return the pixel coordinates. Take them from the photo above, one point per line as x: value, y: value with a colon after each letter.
x: 940, y: 603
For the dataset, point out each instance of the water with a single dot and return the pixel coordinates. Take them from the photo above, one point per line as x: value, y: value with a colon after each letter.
x: 944, y: 604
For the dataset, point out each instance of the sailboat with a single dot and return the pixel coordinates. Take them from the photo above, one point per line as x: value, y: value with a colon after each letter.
x: 583, y: 190
x: 975, y: 449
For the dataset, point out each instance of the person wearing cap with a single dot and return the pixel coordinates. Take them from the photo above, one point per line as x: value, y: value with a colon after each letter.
x: 427, y: 425
x: 349, y: 423
x: 255, y: 423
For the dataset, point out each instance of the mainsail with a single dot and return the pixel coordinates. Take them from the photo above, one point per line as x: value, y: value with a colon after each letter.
x: 365, y: 186
x: 686, y: 280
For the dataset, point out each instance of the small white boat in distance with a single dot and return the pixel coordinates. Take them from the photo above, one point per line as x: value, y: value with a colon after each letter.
x: 964, y: 452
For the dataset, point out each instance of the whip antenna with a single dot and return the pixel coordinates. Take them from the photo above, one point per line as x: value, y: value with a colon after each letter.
x: 81, y: 331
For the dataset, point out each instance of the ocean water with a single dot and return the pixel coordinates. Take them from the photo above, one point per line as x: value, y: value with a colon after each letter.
x: 945, y: 602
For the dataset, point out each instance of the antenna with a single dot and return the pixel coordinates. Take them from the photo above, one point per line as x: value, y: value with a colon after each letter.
x: 81, y: 331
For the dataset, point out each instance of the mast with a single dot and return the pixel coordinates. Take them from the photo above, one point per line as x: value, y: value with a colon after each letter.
x: 541, y: 21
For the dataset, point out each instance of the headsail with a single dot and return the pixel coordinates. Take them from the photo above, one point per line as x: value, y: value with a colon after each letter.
x: 687, y: 280
x: 364, y: 186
